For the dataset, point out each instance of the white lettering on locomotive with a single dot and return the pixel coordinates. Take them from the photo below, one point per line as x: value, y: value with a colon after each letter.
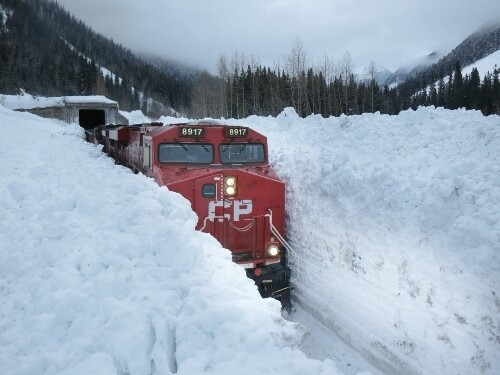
x: 242, y: 207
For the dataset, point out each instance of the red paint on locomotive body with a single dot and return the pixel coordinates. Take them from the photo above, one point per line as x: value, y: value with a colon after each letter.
x: 224, y: 172
x: 239, y: 222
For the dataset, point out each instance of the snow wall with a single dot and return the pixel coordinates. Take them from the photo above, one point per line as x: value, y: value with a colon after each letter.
x: 395, y: 224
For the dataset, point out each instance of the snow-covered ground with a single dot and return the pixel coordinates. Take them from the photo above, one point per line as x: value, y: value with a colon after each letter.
x: 320, y: 342
x: 394, y: 221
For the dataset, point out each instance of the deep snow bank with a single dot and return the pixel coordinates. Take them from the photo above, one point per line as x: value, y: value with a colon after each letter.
x: 101, y: 272
x: 395, y: 221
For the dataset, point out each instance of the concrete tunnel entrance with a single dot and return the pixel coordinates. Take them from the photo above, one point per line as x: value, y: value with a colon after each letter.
x: 90, y: 118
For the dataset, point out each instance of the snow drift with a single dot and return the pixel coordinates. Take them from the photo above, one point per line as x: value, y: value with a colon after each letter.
x: 101, y: 272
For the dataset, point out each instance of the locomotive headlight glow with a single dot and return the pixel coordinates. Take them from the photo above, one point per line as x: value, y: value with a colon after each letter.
x: 273, y: 250
x: 230, y: 186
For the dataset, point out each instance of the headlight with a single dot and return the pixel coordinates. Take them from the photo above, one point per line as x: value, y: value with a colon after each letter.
x: 273, y: 250
x: 230, y: 186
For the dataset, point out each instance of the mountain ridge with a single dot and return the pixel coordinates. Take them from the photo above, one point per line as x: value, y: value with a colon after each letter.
x: 475, y: 47
x: 478, y: 45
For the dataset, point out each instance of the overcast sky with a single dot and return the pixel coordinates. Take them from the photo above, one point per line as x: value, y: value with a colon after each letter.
x: 392, y: 33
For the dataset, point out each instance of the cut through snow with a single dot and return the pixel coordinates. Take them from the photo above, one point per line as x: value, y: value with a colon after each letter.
x: 394, y: 218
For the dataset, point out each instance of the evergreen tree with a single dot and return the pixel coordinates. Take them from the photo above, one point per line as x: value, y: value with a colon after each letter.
x: 495, y: 96
x: 474, y: 91
x: 441, y: 99
x: 457, y: 88
x: 487, y: 95
x: 433, y: 96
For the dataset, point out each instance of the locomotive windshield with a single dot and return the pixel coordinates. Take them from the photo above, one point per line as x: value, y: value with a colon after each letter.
x: 241, y: 153
x: 186, y: 153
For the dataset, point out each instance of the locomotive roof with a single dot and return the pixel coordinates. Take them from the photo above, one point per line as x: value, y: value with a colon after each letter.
x: 158, y: 128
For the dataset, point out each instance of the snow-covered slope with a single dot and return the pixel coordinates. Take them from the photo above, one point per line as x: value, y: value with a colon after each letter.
x: 412, y: 68
x: 485, y: 65
x: 395, y: 221
x: 101, y: 272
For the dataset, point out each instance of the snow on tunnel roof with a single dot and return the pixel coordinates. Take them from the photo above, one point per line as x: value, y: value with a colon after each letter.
x: 27, y: 101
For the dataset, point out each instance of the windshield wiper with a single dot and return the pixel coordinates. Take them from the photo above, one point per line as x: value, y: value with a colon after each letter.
x: 181, y: 144
x: 227, y: 145
x: 202, y: 145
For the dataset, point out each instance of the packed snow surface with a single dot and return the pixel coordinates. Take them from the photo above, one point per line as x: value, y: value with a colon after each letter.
x: 102, y: 272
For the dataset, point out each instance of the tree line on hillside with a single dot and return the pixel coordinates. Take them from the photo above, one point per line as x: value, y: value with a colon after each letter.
x: 46, y: 51
x: 331, y: 90
x: 469, y: 91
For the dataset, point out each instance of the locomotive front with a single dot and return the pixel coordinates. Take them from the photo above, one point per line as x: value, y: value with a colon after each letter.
x: 224, y: 172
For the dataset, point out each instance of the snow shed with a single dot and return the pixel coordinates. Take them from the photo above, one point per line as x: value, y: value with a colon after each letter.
x: 87, y: 111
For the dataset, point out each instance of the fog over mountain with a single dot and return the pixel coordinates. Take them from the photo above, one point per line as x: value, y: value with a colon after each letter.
x: 391, y: 33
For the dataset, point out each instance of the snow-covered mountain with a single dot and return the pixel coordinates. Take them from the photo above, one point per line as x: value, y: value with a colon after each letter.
x: 475, y: 47
x: 381, y: 75
x: 483, y: 66
x: 420, y: 64
x: 394, y: 221
x: 71, y: 59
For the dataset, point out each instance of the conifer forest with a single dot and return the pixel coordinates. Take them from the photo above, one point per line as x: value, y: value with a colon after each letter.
x: 45, y: 51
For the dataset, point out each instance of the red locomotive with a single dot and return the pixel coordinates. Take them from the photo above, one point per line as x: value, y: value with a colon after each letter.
x: 225, y: 173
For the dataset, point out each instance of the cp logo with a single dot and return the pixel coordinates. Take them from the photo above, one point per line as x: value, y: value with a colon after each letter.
x: 242, y: 207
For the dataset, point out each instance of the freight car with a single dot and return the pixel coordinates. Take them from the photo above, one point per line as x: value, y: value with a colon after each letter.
x: 224, y: 172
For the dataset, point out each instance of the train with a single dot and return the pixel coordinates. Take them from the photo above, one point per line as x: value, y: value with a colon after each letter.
x: 224, y: 172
